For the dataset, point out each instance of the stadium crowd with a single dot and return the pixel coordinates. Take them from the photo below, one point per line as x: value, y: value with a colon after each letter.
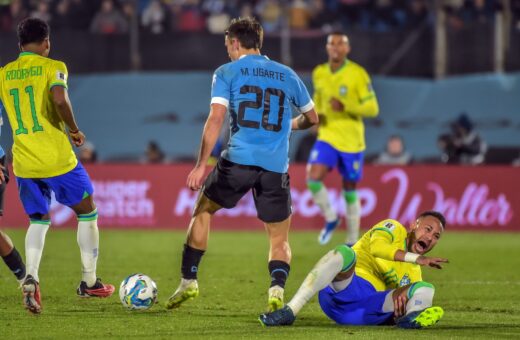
x: 161, y: 16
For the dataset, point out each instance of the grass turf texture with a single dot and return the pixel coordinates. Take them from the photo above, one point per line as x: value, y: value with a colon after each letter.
x: 479, y: 290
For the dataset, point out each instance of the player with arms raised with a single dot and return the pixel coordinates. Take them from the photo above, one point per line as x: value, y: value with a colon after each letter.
x: 33, y: 89
x: 376, y: 282
x: 258, y: 93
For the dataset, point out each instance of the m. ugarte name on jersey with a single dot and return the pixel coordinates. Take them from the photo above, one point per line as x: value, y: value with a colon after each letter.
x: 263, y: 72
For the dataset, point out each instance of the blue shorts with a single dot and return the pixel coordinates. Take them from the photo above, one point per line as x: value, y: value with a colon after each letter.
x: 358, y: 304
x: 69, y: 189
x: 350, y: 165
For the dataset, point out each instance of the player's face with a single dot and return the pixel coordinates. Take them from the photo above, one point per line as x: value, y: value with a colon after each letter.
x: 426, y: 232
x: 337, y: 48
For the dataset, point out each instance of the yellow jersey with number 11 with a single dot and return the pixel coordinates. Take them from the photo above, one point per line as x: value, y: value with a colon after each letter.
x: 41, y: 145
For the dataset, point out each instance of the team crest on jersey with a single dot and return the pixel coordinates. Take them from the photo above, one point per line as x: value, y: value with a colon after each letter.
x: 390, y: 225
x: 61, y: 76
x: 343, y: 90
x: 404, y: 281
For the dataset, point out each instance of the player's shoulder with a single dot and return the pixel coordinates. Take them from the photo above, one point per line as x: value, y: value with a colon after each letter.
x: 57, y: 63
x: 319, y: 69
x: 227, y: 70
x: 352, y: 66
x: 391, y: 226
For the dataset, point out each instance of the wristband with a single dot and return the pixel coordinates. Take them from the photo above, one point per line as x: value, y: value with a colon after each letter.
x: 411, y: 257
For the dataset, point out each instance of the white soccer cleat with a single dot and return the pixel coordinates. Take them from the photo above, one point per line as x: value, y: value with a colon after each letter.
x: 188, y: 289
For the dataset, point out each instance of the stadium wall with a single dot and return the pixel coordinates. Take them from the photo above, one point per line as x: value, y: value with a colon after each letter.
x: 121, y: 113
x: 155, y: 196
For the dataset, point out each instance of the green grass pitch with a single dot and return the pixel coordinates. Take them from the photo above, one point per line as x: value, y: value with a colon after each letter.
x: 479, y: 289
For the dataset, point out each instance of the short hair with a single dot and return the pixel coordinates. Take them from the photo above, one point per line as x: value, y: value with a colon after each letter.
x: 435, y: 214
x: 341, y: 33
x: 247, y: 31
x: 32, y: 30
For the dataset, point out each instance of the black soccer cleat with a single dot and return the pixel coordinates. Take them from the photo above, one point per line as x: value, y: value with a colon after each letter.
x: 280, y: 317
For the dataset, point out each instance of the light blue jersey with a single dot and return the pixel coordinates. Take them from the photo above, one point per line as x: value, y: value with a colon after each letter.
x: 2, y: 152
x: 258, y: 93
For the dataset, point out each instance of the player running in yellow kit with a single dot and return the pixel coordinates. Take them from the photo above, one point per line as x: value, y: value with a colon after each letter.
x: 33, y: 90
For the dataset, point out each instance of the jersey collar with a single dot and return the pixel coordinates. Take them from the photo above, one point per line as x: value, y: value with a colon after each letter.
x: 254, y: 55
x: 23, y: 54
x: 345, y: 62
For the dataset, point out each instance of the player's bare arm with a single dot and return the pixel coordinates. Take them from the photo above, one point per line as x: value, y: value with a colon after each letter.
x: 210, y: 135
x: 305, y: 120
x: 61, y: 100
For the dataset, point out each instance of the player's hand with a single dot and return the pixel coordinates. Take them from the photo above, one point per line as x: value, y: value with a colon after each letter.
x: 336, y: 105
x: 434, y: 262
x: 400, y: 302
x: 77, y: 137
x: 196, y: 177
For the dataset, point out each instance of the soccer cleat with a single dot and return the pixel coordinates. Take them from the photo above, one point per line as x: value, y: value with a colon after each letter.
x: 275, y: 300
x: 420, y: 319
x: 328, y: 229
x: 280, y: 317
x: 31, y: 295
x: 97, y: 290
x: 188, y: 289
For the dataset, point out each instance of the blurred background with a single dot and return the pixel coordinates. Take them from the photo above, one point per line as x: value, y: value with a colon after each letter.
x: 140, y: 72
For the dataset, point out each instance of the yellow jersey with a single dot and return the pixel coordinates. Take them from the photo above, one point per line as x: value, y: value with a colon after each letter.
x: 351, y: 85
x: 41, y: 146
x: 375, y: 257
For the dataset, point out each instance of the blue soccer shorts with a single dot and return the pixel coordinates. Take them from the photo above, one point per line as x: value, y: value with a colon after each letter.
x: 69, y: 189
x: 358, y: 304
x: 350, y: 165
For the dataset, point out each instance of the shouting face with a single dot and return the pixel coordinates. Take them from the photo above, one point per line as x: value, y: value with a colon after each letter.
x: 425, y: 233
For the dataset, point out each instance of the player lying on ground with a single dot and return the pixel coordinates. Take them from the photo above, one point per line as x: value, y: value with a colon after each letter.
x: 33, y: 90
x: 376, y: 282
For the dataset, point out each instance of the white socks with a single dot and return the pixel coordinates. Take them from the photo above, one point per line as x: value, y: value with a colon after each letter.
x: 88, y: 241
x: 321, y: 198
x: 421, y: 299
x: 353, y: 221
x: 319, y: 277
x: 34, y: 242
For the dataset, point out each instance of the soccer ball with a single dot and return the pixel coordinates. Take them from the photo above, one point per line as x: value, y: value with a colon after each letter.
x: 138, y: 291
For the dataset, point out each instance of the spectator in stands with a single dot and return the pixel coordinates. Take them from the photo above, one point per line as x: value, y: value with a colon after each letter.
x: 299, y: 14
x: 395, y: 153
x: 464, y: 145
x: 154, y: 17
x: 109, y: 20
x: 80, y: 14
x: 12, y: 15
x: 154, y: 154
x: 270, y: 13
x: 87, y: 153
x: 217, y: 14
x: 42, y: 12
x: 191, y: 18
x: 61, y: 17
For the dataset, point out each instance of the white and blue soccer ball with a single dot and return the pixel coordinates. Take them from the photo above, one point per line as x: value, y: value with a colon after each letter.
x: 138, y: 291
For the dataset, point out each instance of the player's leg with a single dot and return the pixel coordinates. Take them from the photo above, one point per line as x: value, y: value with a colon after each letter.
x: 35, y: 196
x: 416, y: 303
x: 223, y: 188
x: 74, y: 189
x: 194, y: 248
x: 336, y: 269
x: 8, y: 252
x: 351, y: 166
x: 322, y: 158
x: 272, y: 195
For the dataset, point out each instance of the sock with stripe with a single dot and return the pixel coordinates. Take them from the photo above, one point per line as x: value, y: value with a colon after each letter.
x: 88, y: 241
x: 279, y: 271
x: 320, y: 196
x: 34, y: 242
x: 335, y: 261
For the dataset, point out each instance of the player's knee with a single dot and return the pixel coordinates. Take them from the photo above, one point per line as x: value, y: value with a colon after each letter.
x: 418, y: 285
x: 350, y: 196
x: 314, y: 186
x: 349, y: 256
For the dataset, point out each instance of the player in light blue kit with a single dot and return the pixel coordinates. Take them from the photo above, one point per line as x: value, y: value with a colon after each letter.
x: 258, y: 93
x: 8, y: 252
